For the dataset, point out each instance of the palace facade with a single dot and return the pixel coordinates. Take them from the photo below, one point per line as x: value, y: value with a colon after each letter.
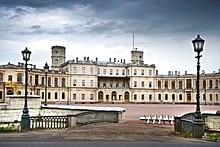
x: 92, y: 81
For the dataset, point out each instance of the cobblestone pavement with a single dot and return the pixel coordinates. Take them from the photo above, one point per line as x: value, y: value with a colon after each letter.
x: 132, y: 129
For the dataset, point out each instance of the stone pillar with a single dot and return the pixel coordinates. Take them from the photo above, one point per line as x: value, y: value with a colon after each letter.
x: 71, y: 121
x: 121, y: 117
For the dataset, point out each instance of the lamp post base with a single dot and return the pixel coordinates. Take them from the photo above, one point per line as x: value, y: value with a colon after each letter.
x: 25, y: 122
x: 198, y: 128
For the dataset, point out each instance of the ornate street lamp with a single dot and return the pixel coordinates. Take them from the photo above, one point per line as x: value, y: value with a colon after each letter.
x: 198, y: 129
x: 46, y: 70
x: 25, y: 118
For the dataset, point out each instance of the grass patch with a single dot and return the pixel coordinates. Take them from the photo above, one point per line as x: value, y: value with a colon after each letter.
x: 213, y: 135
x: 9, y: 128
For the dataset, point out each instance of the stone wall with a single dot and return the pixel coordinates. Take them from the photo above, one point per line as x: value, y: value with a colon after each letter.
x: 212, y: 122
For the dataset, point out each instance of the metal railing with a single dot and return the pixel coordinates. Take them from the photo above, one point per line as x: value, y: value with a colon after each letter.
x: 48, y: 122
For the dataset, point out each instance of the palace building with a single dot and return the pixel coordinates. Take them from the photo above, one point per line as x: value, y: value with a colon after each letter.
x: 113, y: 81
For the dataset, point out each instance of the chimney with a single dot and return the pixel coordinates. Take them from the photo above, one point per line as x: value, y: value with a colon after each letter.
x: 218, y: 70
x: 175, y: 72
x: 96, y: 59
x: 87, y: 58
x: 169, y: 73
x: 124, y: 61
x: 203, y: 71
x: 84, y: 58
x: 121, y: 60
x: 186, y: 72
x: 76, y: 59
x: 114, y: 59
x: 156, y: 72
x: 109, y: 59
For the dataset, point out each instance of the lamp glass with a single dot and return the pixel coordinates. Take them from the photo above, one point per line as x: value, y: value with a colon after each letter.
x: 46, y: 68
x: 26, y: 54
x: 198, y: 44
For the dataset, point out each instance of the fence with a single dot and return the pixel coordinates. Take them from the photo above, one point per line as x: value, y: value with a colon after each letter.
x: 48, y: 122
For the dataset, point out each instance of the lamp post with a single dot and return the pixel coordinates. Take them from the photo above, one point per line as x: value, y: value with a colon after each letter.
x: 198, y: 129
x: 25, y: 118
x: 46, y: 70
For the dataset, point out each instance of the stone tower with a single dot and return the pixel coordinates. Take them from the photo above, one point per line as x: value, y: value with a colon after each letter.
x: 58, y: 56
x: 137, y: 57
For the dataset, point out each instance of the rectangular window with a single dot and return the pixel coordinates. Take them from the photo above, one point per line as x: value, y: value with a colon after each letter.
x: 74, y: 69
x: 91, y: 96
x: 150, y: 72
x: 150, y: 84
x: 9, y: 77
x: 91, y: 70
x: 188, y: 83
x: 150, y: 97
x: 142, y: 83
x: 104, y: 71
x: 83, y: 83
x: 135, y: 97
x: 142, y: 72
x: 74, y: 82
x: 63, y: 82
x: 123, y: 72
x: 83, y: 70
x: 135, y: 71
x: 117, y: 71
x: 142, y: 97
x: 91, y: 83
x: 111, y: 71
x: 42, y: 80
x: 135, y: 83
x: 83, y: 96
x: 36, y: 79
x: 98, y: 71
x: 74, y: 96
x: 49, y: 81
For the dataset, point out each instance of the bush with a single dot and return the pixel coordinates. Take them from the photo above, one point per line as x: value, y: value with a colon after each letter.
x: 9, y: 128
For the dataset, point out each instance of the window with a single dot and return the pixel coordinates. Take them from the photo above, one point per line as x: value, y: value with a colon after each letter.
x: 30, y: 81
x: 216, y: 97
x: 56, y: 82
x: 74, y: 96
x: 91, y: 70
x: 55, y: 95
x: 123, y: 72
x: 159, y: 84
x: 150, y: 72
x: 142, y: 83
x: 74, y: 69
x: 135, y: 71
x: 135, y: 97
x: 173, y: 84
x: 98, y: 71
x: 111, y: 71
x: 104, y: 71
x: 19, y: 78
x: 1, y: 95
x: 91, y: 83
x: 188, y: 83
x: 166, y: 96
x: 91, y: 96
x: 9, y: 77
x: 117, y: 83
x: 83, y: 83
x: 83, y: 96
x: 63, y: 95
x: 210, y: 84
x: 180, y: 97
x: 42, y: 80
x: 74, y: 82
x: 1, y: 77
x: 204, y: 84
x: 180, y: 85
x: 83, y: 70
x: 142, y: 72
x: 42, y: 95
x: 49, y: 81
x: 150, y: 97
x: 49, y: 95
x: 142, y: 97
x: 210, y: 96
x: 117, y: 71
x: 216, y: 83
x: 111, y: 83
x: 63, y: 82
x: 150, y: 84
x: 104, y: 83
x: 173, y: 97
x: 159, y: 97
x: 123, y: 84
x: 135, y: 83
x: 166, y: 85
x: 36, y: 80
x: 204, y: 97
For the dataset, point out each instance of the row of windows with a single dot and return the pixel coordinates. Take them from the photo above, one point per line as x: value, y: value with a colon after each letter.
x: 160, y: 97
x: 83, y: 96
x: 83, y: 83
x: 143, y: 84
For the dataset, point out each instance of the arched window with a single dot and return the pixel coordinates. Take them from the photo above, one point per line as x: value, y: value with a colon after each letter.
x: 159, y: 84
x: 63, y: 95
x: 63, y: 82
x: 19, y: 78
x: 210, y: 84
x: 159, y: 97
x: 173, y: 97
x: 210, y: 96
x: 216, y: 83
x: 49, y: 95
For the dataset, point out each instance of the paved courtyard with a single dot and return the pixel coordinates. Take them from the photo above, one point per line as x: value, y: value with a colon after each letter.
x: 132, y: 130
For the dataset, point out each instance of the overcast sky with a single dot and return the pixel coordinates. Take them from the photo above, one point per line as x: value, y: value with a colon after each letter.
x: 164, y: 30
